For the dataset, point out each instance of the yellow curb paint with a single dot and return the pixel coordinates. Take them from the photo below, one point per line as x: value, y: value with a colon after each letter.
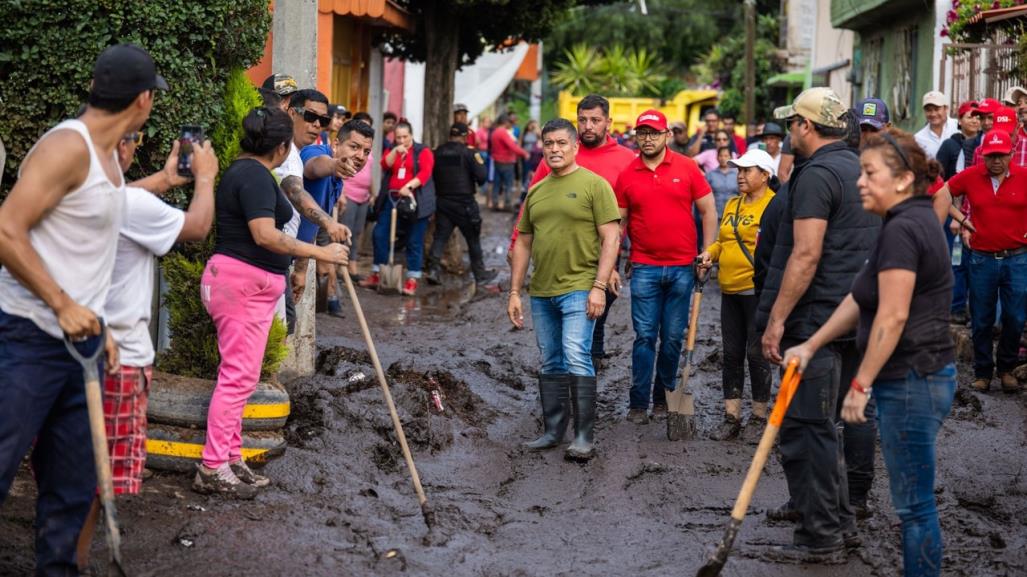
x: 274, y: 411
x: 190, y: 450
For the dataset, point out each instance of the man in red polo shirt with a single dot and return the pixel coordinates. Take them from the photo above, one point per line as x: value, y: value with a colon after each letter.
x: 600, y: 153
x: 996, y: 193
x: 656, y: 194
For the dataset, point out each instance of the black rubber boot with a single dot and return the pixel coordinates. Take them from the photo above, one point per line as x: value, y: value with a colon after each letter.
x: 484, y: 276
x: 554, y: 390
x: 431, y: 271
x: 583, y: 395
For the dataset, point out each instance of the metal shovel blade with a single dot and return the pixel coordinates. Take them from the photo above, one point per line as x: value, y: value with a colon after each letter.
x: 680, y: 415
x: 719, y: 556
x: 391, y: 278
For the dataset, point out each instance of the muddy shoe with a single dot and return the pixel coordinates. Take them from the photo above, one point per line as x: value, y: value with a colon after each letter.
x: 247, y: 475
x: 981, y: 384
x: 638, y: 416
x: 583, y: 397
x: 784, y: 513
x: 1009, y: 383
x: 852, y: 540
x: 861, y: 509
x: 371, y: 281
x: 223, y: 482
x: 335, y: 308
x: 485, y: 276
x: 753, y: 430
x: 659, y: 412
x: 728, y: 429
x: 833, y: 554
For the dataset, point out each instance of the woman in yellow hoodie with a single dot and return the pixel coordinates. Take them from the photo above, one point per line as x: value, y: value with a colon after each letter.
x: 734, y: 250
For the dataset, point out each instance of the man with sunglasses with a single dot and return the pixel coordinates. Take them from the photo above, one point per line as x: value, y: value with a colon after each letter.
x: 823, y: 240
x: 309, y: 113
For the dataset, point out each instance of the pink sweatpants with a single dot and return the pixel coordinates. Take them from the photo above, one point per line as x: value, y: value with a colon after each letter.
x: 241, y: 300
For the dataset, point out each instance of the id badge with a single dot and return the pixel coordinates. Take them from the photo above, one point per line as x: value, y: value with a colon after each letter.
x: 401, y: 173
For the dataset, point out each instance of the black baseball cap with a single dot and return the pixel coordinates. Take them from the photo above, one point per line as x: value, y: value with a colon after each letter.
x: 125, y: 70
x: 459, y: 129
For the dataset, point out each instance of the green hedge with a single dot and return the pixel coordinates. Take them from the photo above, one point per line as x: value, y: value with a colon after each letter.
x: 47, y: 51
x: 48, y: 47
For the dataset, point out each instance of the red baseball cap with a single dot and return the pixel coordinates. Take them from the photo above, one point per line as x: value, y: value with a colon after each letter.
x: 653, y: 119
x: 1005, y: 120
x: 968, y: 106
x: 996, y: 142
x: 988, y: 106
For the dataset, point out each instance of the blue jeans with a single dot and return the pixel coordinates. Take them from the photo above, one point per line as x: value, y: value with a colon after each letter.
x: 994, y: 281
x: 504, y: 183
x: 660, y: 301
x: 408, y: 234
x: 564, y: 333
x: 42, y: 398
x: 909, y: 413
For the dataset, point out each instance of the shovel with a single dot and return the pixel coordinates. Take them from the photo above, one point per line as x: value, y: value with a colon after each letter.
x: 101, y: 457
x: 680, y: 404
x: 789, y: 384
x: 426, y: 511
x: 391, y: 274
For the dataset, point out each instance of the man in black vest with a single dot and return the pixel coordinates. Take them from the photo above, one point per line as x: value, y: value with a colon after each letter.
x: 824, y: 239
x: 458, y: 169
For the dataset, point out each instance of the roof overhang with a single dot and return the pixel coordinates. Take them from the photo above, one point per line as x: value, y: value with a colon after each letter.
x: 375, y: 12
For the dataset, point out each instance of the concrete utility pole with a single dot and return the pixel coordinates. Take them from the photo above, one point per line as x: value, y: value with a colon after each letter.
x: 750, y: 67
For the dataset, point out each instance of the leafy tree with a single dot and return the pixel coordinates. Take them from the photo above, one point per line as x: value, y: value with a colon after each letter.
x: 724, y: 66
x: 614, y: 72
x: 454, y: 33
x: 578, y: 72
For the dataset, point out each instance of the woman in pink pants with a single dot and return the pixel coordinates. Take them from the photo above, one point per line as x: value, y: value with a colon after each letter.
x: 240, y: 287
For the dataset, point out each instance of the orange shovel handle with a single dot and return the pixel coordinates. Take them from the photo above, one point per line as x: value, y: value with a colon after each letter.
x: 789, y: 384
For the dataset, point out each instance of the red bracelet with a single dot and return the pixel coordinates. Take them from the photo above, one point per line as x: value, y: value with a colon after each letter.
x: 858, y: 387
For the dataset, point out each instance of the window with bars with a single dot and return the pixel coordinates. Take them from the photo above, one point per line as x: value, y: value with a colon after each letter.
x: 872, y: 50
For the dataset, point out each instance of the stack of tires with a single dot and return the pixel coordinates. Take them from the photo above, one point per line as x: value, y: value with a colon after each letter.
x: 177, y: 419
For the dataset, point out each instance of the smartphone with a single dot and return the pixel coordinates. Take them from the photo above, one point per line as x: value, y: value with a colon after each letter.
x: 191, y: 134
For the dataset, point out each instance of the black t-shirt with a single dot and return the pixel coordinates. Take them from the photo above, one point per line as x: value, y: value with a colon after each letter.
x: 247, y: 191
x: 911, y: 239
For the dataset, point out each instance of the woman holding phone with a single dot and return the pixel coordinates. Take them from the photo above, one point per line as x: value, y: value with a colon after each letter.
x: 241, y: 285
x: 900, y: 304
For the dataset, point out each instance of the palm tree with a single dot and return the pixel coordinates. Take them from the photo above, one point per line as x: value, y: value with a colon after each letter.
x: 579, y: 72
x: 618, y: 76
x: 646, y: 71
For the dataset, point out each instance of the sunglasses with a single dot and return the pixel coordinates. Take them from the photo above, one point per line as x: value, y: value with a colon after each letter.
x: 311, y: 116
x: 136, y: 137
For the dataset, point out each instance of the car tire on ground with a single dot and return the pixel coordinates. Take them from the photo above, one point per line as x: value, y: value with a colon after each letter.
x: 180, y: 449
x: 183, y: 402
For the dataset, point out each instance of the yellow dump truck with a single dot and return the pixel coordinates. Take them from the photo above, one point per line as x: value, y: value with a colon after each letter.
x: 685, y: 107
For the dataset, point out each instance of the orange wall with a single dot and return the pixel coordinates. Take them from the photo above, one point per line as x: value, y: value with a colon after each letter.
x: 262, y: 69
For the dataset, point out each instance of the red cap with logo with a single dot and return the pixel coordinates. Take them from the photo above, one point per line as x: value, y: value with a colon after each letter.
x: 653, y: 119
x: 988, y: 106
x: 996, y: 142
x: 968, y: 106
x: 1005, y: 120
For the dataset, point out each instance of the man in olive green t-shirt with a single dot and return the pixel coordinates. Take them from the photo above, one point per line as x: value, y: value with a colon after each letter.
x: 570, y: 229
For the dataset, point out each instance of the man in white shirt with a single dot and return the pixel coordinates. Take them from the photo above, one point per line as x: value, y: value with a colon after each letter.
x: 58, y: 236
x: 939, y: 126
x: 149, y: 230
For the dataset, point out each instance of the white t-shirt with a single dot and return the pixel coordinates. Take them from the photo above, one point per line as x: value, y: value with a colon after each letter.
x: 75, y: 242
x: 930, y: 141
x: 293, y: 166
x: 150, y: 229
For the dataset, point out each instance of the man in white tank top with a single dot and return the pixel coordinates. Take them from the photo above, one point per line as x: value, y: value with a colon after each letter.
x: 58, y: 237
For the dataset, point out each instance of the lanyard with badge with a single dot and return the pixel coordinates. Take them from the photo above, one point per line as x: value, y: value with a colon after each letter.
x: 402, y: 172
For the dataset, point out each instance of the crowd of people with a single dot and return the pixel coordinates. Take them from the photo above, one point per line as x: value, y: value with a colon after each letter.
x: 839, y: 241
x: 838, y: 247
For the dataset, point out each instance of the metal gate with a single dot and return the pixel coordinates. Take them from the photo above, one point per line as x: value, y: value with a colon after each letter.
x: 978, y: 71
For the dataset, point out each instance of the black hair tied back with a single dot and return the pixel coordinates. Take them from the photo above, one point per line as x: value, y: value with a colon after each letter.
x: 265, y: 129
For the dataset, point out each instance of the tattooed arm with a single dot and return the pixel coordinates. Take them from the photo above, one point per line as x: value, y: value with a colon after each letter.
x: 292, y: 186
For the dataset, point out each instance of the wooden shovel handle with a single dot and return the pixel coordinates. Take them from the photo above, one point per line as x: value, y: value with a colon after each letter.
x: 385, y: 388
x: 693, y: 321
x: 789, y: 384
x: 392, y: 234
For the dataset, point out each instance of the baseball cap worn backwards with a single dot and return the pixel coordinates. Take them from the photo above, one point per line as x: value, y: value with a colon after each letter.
x: 125, y: 70
x: 459, y: 129
x: 820, y: 105
x: 653, y: 119
x: 996, y: 142
x: 280, y: 84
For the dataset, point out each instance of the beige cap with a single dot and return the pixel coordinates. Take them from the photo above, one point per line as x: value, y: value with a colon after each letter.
x: 936, y: 98
x: 1013, y: 93
x: 820, y: 105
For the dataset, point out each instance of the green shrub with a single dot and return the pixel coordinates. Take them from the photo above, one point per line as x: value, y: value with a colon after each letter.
x: 48, y: 47
x: 276, y: 350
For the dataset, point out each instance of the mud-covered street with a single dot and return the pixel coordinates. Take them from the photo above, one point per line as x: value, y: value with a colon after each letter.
x: 341, y: 502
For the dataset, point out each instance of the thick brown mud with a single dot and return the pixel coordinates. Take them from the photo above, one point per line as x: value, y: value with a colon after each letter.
x: 342, y: 503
